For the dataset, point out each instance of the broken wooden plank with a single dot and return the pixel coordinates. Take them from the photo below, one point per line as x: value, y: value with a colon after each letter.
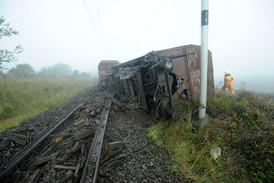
x: 116, y: 145
x: 76, y: 147
x: 70, y: 163
x: 35, y: 177
x: 15, y: 139
x: 69, y: 175
x: 45, y: 159
x: 83, y: 161
x: 82, y: 134
x: 36, y: 129
x: 114, y: 163
x: 79, y: 122
x: 82, y: 149
x: 65, y: 167
x: 87, y: 123
x: 84, y: 107
x: 111, y: 155
x: 76, y: 172
x: 24, y: 137
x: 117, y: 103
x: 4, y: 144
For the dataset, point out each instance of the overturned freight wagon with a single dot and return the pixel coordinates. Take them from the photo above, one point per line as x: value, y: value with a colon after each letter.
x: 104, y: 68
x: 159, y: 80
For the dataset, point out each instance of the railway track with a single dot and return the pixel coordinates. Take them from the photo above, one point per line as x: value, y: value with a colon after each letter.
x: 94, y: 155
x: 72, y: 152
x: 88, y: 159
x: 31, y: 147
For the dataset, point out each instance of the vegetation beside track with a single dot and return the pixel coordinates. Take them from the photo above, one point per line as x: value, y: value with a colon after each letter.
x: 242, y: 126
x: 25, y: 98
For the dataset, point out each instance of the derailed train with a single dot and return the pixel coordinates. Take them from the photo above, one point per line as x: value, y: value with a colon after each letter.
x: 159, y: 80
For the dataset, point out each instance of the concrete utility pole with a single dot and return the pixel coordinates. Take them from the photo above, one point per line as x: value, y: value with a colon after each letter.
x: 204, y: 58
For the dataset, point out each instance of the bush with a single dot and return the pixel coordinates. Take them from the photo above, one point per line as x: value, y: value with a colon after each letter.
x: 251, y: 135
x: 241, y: 126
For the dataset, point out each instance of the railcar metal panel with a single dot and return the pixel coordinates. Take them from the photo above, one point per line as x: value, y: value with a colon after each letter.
x: 159, y: 80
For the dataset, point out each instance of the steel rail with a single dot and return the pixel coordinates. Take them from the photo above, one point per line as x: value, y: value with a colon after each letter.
x: 29, y: 148
x: 93, y: 159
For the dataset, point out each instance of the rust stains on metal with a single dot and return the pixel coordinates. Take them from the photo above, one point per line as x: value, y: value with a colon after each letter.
x: 160, y: 79
x: 188, y: 68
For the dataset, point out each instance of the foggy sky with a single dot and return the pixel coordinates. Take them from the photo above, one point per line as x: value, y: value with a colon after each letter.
x: 52, y: 31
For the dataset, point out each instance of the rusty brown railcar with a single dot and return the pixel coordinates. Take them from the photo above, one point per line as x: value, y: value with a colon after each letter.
x: 104, y: 67
x: 188, y: 68
x: 159, y: 80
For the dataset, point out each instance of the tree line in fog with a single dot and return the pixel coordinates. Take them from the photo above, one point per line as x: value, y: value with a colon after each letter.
x: 59, y: 70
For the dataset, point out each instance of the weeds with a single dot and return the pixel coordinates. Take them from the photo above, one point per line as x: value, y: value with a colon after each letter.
x: 22, y: 99
x: 241, y: 126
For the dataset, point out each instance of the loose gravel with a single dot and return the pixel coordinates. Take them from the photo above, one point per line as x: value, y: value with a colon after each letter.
x: 148, y: 163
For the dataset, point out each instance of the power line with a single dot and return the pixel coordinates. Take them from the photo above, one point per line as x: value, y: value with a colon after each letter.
x: 94, y: 27
x: 96, y: 7
x: 101, y: 28
x: 147, y: 27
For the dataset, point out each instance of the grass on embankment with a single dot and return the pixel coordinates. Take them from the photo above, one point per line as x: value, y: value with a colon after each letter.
x: 25, y: 98
x: 241, y: 126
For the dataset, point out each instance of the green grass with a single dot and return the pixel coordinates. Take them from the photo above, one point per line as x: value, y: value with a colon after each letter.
x: 241, y: 126
x: 25, y: 98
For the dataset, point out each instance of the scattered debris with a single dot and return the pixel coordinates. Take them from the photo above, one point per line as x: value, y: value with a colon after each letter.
x: 215, y: 153
x: 68, y: 175
x: 58, y: 139
x: 97, y: 121
x: 45, y: 159
x: 93, y: 113
x: 35, y: 177
x: 79, y: 122
x: 4, y: 144
x: 84, y: 133
x: 75, y: 148
x: 15, y: 139
x: 65, y: 167
x: 116, y: 145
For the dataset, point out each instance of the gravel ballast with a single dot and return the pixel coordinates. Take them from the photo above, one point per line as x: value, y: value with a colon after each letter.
x: 133, y: 160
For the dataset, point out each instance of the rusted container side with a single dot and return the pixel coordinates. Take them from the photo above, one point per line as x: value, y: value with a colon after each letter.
x: 159, y: 79
x: 104, y: 67
x: 188, y: 68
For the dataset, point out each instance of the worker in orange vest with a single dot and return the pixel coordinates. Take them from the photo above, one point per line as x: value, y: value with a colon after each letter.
x: 227, y: 83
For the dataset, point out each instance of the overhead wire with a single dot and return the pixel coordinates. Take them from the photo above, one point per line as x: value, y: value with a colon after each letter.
x: 96, y: 7
x: 97, y: 33
x: 101, y: 28
x: 147, y: 27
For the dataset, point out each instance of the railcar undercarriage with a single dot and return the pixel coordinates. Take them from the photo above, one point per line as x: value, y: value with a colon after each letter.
x: 158, y: 81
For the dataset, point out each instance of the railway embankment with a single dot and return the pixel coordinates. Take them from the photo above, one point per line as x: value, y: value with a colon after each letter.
x: 138, y: 148
x: 62, y: 156
x: 241, y: 128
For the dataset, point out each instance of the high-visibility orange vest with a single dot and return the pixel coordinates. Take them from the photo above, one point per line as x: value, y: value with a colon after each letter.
x: 228, y: 79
